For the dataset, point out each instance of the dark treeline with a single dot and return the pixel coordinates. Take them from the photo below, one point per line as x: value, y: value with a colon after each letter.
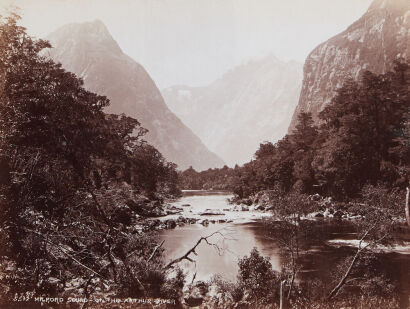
x: 72, y: 181
x: 211, y: 179
x: 362, y: 139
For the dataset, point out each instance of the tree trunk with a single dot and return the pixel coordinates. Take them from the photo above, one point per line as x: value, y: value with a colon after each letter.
x: 291, y: 283
x: 343, y: 280
x: 283, y: 300
x: 407, y: 208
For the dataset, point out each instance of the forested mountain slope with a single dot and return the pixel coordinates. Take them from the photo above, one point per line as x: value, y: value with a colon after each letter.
x: 89, y: 51
x: 380, y: 36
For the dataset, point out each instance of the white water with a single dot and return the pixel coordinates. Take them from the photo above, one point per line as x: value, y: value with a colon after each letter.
x: 201, y: 201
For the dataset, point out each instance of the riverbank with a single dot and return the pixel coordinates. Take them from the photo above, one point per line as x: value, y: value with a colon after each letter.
x: 217, y: 207
x: 318, y: 207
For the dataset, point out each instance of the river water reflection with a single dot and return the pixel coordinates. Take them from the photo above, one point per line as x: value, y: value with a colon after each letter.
x: 320, y: 256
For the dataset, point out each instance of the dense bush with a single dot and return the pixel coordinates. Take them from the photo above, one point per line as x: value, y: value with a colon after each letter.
x: 260, y: 283
x: 68, y: 174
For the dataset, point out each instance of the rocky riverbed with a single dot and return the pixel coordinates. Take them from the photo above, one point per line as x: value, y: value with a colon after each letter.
x: 188, y: 210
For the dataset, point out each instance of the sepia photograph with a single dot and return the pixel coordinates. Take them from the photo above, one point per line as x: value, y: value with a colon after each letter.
x: 233, y: 154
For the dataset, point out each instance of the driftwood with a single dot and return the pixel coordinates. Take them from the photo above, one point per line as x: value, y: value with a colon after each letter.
x: 192, y: 250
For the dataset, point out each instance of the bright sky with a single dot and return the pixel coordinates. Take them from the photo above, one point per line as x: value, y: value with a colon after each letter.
x: 194, y: 42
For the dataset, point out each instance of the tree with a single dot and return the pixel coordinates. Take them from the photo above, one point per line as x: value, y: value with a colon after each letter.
x: 257, y: 277
x: 361, y: 127
x: 265, y: 150
x: 290, y: 231
x: 68, y: 172
x: 304, y: 139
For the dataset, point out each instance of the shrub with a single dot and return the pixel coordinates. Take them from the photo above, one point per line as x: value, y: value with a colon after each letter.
x: 258, y: 279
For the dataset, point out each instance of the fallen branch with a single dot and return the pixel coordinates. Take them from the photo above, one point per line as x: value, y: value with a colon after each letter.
x: 192, y: 250
x: 155, y: 250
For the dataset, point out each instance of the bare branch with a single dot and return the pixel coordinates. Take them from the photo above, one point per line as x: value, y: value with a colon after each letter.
x: 155, y: 250
x: 192, y: 250
x: 355, y: 258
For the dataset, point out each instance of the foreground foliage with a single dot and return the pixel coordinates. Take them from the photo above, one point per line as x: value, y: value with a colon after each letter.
x: 73, y: 179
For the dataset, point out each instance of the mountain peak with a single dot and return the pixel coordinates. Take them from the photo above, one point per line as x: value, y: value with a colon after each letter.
x: 93, y: 33
x: 95, y: 27
x: 88, y: 50
x: 371, y: 43
x: 401, y: 5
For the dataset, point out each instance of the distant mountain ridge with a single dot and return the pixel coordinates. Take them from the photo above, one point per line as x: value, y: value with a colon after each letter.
x: 372, y: 43
x: 250, y: 104
x: 89, y: 51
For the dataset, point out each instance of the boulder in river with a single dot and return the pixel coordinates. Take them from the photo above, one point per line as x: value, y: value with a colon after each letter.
x: 204, y: 222
x: 317, y: 214
x: 151, y: 225
x: 338, y: 214
x: 268, y: 208
x: 211, y: 212
x: 240, y: 208
x: 171, y: 224
x: 327, y: 213
x: 191, y: 220
x: 259, y: 207
x: 181, y: 219
x: 156, y: 212
x: 247, y: 202
x: 172, y: 210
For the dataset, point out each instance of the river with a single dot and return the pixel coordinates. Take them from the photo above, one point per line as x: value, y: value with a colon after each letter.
x: 245, y: 230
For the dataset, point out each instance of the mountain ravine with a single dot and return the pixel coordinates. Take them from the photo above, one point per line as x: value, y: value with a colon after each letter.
x: 248, y: 105
x: 372, y: 43
x: 88, y: 50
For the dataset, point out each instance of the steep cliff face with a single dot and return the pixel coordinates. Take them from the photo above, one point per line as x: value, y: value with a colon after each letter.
x: 89, y: 51
x: 250, y: 104
x: 372, y: 43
